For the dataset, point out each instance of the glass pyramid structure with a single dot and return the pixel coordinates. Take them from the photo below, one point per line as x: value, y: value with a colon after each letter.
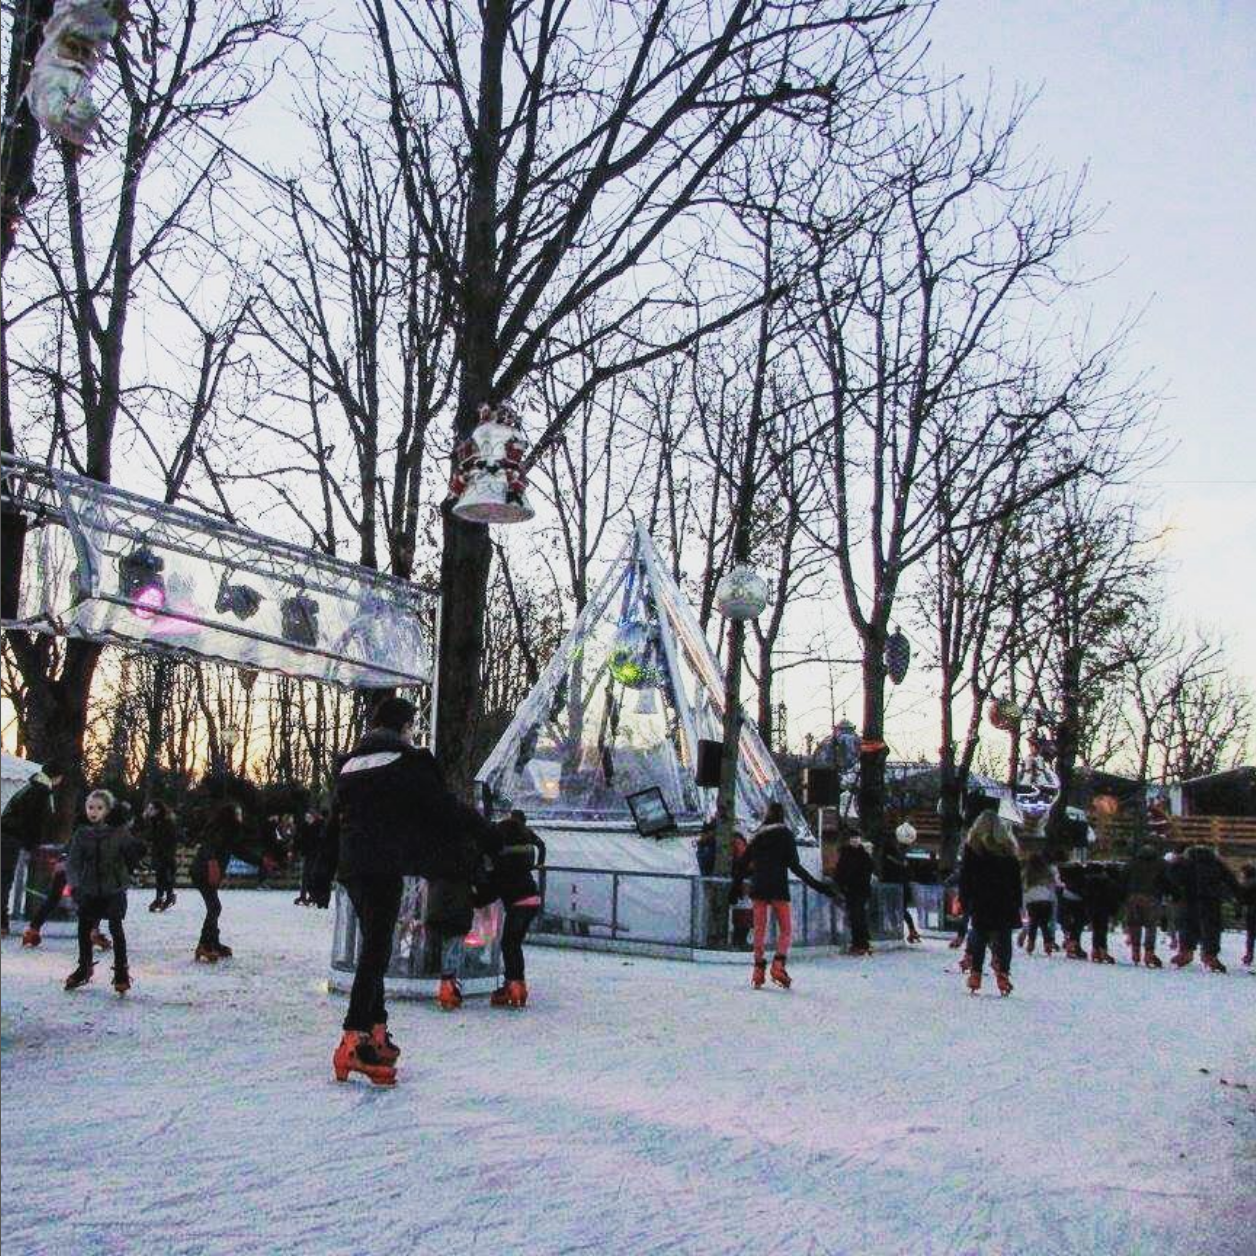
x: 621, y: 708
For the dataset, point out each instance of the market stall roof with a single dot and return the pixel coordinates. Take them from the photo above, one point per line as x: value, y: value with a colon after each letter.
x: 100, y: 563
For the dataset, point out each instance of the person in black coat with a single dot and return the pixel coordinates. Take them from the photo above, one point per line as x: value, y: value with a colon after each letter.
x: 990, y: 885
x: 1206, y: 881
x: 853, y: 877
x: 1102, y: 896
x: 224, y: 838
x: 392, y: 816
x: 309, y: 839
x: 513, y: 880
x: 895, y: 871
x: 1072, y: 900
x: 24, y: 825
x: 770, y: 857
x: 163, y: 849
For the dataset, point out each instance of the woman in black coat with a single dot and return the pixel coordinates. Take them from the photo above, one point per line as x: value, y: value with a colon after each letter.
x: 769, y: 859
x: 514, y: 881
x: 163, y: 846
x: 222, y: 839
x: 990, y: 886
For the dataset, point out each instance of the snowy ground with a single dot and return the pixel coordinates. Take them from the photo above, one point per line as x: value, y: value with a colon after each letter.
x: 636, y: 1107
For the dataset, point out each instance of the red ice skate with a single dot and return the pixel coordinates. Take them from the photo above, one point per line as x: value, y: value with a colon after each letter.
x: 759, y: 973
x: 1213, y: 963
x: 1003, y: 981
x: 1073, y: 949
x: 974, y: 982
x: 1183, y: 959
x: 387, y: 1050
x: 30, y: 936
x: 223, y: 951
x: 779, y: 976
x: 79, y: 977
x: 205, y: 954
x: 516, y: 994
x: 357, y: 1054
x: 450, y: 994
x: 1152, y: 960
x: 121, y: 981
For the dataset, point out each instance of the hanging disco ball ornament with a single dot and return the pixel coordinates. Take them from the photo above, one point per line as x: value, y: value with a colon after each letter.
x: 741, y: 593
x: 897, y: 656
x: 1004, y: 714
x: 631, y: 656
x: 489, y: 484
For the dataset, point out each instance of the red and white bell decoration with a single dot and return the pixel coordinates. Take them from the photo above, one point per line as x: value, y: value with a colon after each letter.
x: 489, y: 484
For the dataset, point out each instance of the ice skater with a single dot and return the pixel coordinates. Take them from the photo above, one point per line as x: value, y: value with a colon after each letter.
x: 769, y: 859
x: 990, y: 885
x: 515, y: 865
x: 1040, y: 888
x: 223, y: 839
x: 1208, y: 881
x: 1102, y: 896
x: 853, y: 876
x: 163, y: 848
x: 98, y: 867
x: 895, y: 871
x: 24, y: 825
x: 1144, y: 884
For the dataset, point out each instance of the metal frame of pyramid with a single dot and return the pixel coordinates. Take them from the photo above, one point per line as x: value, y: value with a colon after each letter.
x: 579, y: 743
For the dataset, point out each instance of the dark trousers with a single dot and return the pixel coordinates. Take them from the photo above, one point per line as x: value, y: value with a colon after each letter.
x: 163, y: 877
x: 213, y: 909
x: 376, y: 904
x: 1072, y: 919
x: 518, y: 922
x: 1000, y: 943
x: 857, y: 918
x: 91, y: 911
x: 1040, y: 922
x: 1210, y: 926
x: 8, y: 868
x: 1099, y: 922
x: 55, y: 889
x: 1251, y: 928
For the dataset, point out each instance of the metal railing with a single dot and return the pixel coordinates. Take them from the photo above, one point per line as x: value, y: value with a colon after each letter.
x: 677, y: 910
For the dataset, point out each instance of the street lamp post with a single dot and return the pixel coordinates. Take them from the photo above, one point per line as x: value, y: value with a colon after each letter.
x: 230, y: 736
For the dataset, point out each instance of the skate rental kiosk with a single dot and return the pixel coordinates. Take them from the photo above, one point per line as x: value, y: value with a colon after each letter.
x: 601, y: 757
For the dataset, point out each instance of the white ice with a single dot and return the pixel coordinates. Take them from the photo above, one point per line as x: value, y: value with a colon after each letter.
x: 636, y: 1107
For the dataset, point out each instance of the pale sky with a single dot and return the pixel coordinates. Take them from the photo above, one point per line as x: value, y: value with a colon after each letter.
x: 1156, y: 101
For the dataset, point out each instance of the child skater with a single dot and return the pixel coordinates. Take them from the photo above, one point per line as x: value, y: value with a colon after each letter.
x: 771, y: 856
x: 98, y: 868
x: 514, y: 882
x: 1040, y: 885
x: 990, y: 885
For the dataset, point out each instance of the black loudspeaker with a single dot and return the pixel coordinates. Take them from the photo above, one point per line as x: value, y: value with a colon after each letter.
x: 709, y: 763
x: 820, y: 787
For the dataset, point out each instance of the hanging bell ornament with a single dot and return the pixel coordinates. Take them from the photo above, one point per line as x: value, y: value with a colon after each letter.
x: 489, y: 484
x: 897, y: 656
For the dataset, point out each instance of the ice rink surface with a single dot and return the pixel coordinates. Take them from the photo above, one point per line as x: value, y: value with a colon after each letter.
x: 637, y: 1107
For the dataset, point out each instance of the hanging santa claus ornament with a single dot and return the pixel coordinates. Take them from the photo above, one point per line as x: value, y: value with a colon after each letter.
x: 489, y: 484
x: 76, y: 37
x: 897, y: 656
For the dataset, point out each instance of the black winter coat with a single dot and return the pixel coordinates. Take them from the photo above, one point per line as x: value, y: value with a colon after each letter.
x: 221, y: 841
x: 27, y: 816
x: 1144, y: 874
x: 990, y: 889
x: 393, y: 815
x: 1207, y: 877
x: 520, y: 854
x: 853, y: 873
x: 163, y: 839
x: 100, y: 859
x: 771, y: 856
x: 1103, y: 891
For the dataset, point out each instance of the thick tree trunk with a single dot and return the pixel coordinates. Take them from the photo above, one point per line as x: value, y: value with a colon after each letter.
x: 873, y: 753
x: 1067, y: 738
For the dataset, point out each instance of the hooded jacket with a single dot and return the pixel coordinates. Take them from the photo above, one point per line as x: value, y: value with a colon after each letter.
x: 990, y: 888
x: 771, y: 856
x: 99, y: 862
x: 393, y: 816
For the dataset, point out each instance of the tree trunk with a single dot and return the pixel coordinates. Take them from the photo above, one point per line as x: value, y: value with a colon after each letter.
x: 873, y: 753
x: 1066, y: 740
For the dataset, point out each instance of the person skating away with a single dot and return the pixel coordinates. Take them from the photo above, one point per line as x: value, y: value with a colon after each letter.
x: 1208, y: 882
x: 895, y: 871
x: 391, y: 816
x: 163, y: 850
x: 990, y: 883
x: 222, y: 839
x: 1102, y: 896
x: 32, y: 935
x: 1247, y: 900
x: 769, y: 859
x: 308, y: 839
x: 99, y: 866
x: 1144, y: 886
x: 853, y: 877
x: 1040, y: 882
x: 1072, y: 904
x: 513, y: 880
x: 24, y: 825
x: 1181, y: 911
